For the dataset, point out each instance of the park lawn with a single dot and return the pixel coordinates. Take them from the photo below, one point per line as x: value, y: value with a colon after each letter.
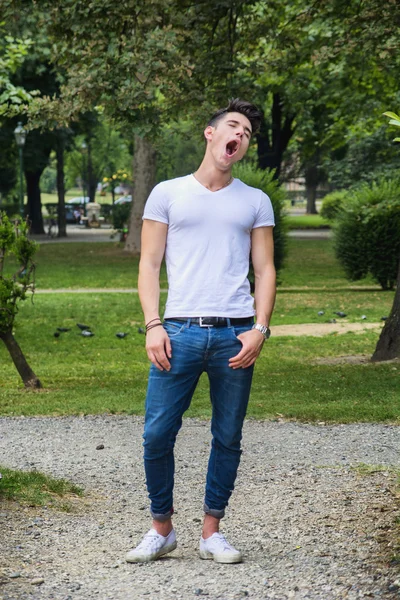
x: 312, y: 263
x: 306, y: 222
x: 309, y: 263
x: 105, y: 374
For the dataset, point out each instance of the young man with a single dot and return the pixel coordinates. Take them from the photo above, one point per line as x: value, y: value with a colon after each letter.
x: 207, y: 224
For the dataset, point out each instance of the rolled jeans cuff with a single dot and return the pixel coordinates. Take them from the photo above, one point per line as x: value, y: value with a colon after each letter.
x: 218, y: 514
x: 162, y: 517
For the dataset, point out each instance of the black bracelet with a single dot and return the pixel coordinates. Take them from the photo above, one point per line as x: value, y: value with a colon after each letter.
x: 152, y: 326
x: 152, y: 321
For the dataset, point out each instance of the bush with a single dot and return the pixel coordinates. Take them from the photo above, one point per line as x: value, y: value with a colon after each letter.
x: 12, y: 209
x: 120, y: 215
x: 264, y: 181
x: 332, y: 204
x: 367, y: 232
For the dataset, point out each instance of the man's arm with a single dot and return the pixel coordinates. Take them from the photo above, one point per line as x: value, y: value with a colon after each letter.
x: 154, y: 236
x: 262, y: 256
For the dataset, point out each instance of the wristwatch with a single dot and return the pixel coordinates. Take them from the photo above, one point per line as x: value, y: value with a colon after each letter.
x: 264, y: 329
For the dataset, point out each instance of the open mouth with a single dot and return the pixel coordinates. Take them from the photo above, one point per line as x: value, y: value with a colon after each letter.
x: 232, y: 147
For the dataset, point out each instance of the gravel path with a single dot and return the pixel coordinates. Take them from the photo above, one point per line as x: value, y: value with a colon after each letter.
x: 309, y: 524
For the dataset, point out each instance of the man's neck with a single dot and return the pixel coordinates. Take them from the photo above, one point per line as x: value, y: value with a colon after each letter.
x: 213, y: 179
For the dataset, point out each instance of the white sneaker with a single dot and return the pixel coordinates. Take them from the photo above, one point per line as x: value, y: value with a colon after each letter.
x: 217, y: 548
x: 152, y: 546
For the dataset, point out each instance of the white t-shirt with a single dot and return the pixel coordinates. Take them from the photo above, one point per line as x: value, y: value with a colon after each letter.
x: 208, y: 245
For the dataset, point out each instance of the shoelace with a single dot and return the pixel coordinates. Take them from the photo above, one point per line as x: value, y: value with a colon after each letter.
x: 225, y: 544
x: 149, y: 541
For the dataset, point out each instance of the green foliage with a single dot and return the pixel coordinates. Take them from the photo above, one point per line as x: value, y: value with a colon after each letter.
x: 120, y: 216
x: 394, y: 120
x: 366, y: 156
x: 48, y: 180
x: 12, y: 54
x: 332, y: 204
x: 264, y: 181
x: 13, y: 288
x: 367, y: 232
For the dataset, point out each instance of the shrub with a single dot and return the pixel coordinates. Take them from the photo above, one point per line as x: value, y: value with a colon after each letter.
x: 332, y: 204
x: 120, y: 215
x: 264, y: 181
x: 367, y: 232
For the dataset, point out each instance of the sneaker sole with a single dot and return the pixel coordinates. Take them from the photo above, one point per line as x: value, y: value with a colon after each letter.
x: 151, y: 557
x: 221, y: 558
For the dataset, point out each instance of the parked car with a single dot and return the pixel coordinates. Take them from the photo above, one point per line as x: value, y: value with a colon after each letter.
x: 123, y: 200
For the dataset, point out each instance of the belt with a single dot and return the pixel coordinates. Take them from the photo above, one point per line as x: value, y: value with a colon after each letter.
x: 214, y: 321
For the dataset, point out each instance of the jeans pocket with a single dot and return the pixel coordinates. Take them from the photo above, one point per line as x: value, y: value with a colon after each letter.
x: 173, y: 328
x: 238, y: 329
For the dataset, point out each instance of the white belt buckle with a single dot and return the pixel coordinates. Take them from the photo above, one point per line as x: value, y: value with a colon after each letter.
x: 201, y: 322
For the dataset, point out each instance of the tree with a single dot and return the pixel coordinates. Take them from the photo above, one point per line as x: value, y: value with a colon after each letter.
x: 388, y: 345
x: 15, y: 288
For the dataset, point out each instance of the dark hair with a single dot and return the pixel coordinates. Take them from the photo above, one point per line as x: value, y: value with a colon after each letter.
x: 244, y: 108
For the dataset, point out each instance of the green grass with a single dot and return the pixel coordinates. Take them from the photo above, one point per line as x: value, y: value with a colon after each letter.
x: 307, y: 222
x: 36, y: 489
x: 294, y: 307
x: 312, y: 263
x: 309, y: 263
x: 81, y: 264
x: 104, y: 374
x: 74, y: 193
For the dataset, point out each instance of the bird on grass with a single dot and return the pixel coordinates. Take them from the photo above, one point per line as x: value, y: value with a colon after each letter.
x: 83, y: 327
x: 320, y: 313
x: 341, y: 314
x: 141, y: 330
x: 63, y: 329
x: 56, y: 334
x: 87, y: 333
x: 121, y: 335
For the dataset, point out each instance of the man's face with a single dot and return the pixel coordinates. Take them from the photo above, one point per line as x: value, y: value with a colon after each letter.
x: 229, y: 140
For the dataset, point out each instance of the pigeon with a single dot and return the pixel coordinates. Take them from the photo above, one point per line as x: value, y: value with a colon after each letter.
x: 141, y: 330
x: 82, y: 327
x: 363, y: 317
x: 121, y: 335
x: 332, y: 321
x: 56, y: 334
x: 63, y: 329
x: 340, y: 314
x: 320, y: 313
x: 383, y: 318
x: 87, y: 333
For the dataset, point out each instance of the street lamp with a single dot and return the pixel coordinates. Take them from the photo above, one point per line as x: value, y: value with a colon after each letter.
x: 20, y: 138
x: 84, y: 173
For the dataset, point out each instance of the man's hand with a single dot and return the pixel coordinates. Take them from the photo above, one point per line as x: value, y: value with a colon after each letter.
x: 158, y: 347
x: 253, y: 342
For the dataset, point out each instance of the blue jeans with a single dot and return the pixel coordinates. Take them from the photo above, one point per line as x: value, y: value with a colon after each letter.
x: 196, y: 350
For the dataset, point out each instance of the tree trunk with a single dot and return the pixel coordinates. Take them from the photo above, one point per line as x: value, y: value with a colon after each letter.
x: 144, y: 172
x: 27, y: 375
x: 388, y: 345
x: 62, y: 223
x: 311, y: 177
x: 34, y: 209
x: 271, y: 146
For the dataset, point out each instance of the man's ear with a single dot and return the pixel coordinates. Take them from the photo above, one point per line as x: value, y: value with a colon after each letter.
x: 208, y: 133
